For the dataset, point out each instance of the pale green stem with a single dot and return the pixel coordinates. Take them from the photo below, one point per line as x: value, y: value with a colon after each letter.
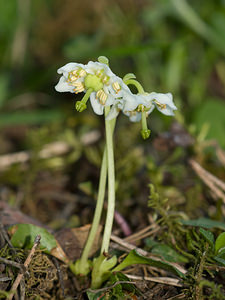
x: 99, y: 205
x: 98, y: 210
x: 136, y: 84
x: 87, y: 95
x: 111, y: 184
x: 144, y: 121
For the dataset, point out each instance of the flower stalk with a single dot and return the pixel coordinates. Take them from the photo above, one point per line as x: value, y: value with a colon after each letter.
x: 111, y: 183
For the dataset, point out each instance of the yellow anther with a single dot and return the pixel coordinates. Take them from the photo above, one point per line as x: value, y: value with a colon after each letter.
x: 79, y: 87
x: 160, y: 105
x: 116, y: 87
x: 74, y: 72
x: 82, y: 73
x: 105, y: 79
x: 102, y: 96
x: 141, y: 108
x: 100, y: 73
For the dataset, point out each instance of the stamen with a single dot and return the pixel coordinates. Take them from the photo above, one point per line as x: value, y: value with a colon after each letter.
x: 82, y: 73
x: 102, y: 96
x: 79, y: 87
x: 105, y: 79
x: 72, y: 76
x: 140, y: 108
x: 116, y: 87
x: 100, y: 73
x: 160, y: 105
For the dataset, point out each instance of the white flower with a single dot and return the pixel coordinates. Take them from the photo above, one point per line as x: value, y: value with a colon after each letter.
x: 147, y: 102
x: 124, y: 101
x: 105, y: 85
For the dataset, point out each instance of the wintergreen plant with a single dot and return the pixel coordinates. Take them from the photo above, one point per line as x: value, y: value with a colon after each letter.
x: 109, y: 95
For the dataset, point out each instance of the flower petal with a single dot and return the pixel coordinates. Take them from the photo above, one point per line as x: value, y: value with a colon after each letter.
x: 113, y: 113
x: 63, y: 86
x: 97, y: 107
x: 165, y: 103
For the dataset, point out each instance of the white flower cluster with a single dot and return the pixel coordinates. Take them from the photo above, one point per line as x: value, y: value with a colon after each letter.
x: 107, y: 89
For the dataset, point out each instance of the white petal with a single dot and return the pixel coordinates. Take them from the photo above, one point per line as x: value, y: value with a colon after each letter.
x: 63, y: 86
x: 164, y: 99
x: 130, y: 101
x: 113, y: 113
x: 68, y: 68
x: 133, y: 116
x: 97, y: 107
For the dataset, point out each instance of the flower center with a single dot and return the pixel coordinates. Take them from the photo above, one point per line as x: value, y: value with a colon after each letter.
x: 94, y: 82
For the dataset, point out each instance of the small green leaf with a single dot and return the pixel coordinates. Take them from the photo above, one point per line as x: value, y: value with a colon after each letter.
x: 95, y: 296
x: 208, y: 235
x: 220, y: 260
x: 204, y: 222
x: 23, y: 236
x: 221, y: 254
x: 168, y: 253
x: 220, y: 243
x: 134, y: 258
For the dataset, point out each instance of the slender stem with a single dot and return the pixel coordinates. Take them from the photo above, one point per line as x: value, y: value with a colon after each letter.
x: 136, y: 84
x: 99, y: 205
x: 143, y: 120
x: 111, y: 183
x: 98, y: 210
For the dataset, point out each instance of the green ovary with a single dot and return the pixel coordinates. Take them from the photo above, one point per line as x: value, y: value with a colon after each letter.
x: 94, y: 82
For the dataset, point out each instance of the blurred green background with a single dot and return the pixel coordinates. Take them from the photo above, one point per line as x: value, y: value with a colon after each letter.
x: 172, y: 46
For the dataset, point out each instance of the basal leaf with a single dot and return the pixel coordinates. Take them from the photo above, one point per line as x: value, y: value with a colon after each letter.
x: 134, y: 258
x: 23, y: 236
x: 168, y: 253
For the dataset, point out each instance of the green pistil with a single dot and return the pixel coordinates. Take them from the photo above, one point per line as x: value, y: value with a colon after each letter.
x: 136, y: 84
x: 81, y: 105
x: 145, y: 132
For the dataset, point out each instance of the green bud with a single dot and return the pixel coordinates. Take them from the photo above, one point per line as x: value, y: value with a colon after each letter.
x: 103, y: 60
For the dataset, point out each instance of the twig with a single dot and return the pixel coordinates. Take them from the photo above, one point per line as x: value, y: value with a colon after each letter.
x: 26, y: 264
x: 221, y: 155
x: 163, y: 280
x: 213, y: 182
x: 129, y: 247
x: 12, y: 263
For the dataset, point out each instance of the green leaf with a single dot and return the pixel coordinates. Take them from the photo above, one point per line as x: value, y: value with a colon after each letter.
x: 220, y: 243
x: 95, y: 296
x: 134, y: 258
x: 208, y: 235
x: 168, y: 253
x: 23, y: 236
x: 204, y: 222
x: 220, y: 260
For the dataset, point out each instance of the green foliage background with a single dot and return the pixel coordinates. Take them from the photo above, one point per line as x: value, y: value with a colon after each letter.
x: 173, y: 46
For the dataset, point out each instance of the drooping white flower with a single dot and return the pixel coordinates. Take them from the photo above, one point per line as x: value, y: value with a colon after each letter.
x: 103, y: 85
x: 148, y: 101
